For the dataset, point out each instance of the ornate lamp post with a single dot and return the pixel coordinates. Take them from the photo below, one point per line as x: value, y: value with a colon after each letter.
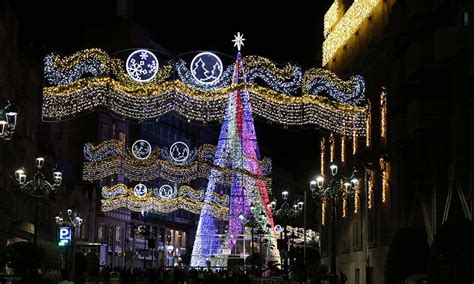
x: 8, y: 116
x: 254, y: 223
x: 337, y: 187
x: 38, y: 187
x: 73, y: 221
x: 286, y: 211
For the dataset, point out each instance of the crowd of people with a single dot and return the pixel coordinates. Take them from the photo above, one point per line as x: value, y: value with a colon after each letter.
x: 176, y: 275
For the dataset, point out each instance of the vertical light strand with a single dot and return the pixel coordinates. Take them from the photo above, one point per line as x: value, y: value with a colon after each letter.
x: 344, y: 206
x: 356, y: 199
x: 322, y: 152
x: 323, y: 210
x: 370, y: 190
x: 383, y: 115
x: 368, y: 126
x: 332, y: 147
x: 354, y: 143
x: 385, y: 167
x: 343, y: 148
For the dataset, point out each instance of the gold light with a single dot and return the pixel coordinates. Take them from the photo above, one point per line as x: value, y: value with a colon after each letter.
x: 368, y: 126
x: 344, y: 205
x: 347, y: 26
x: 332, y: 16
x: 323, y: 210
x: 343, y: 148
x: 385, y: 167
x: 383, y: 115
x: 370, y: 191
x: 355, y: 141
x: 356, y: 199
x: 332, y: 147
x: 116, y: 91
x: 322, y: 153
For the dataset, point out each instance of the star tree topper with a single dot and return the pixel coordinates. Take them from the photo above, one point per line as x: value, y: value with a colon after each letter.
x: 238, y: 40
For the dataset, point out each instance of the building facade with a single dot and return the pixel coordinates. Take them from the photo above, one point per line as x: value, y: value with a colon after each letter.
x: 419, y: 145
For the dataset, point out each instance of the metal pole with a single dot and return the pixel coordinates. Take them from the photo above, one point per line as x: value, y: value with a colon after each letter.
x: 304, y: 233
x: 333, y: 241
x: 286, y: 253
x: 253, y: 251
x: 73, y: 251
x: 35, y: 233
x: 144, y: 255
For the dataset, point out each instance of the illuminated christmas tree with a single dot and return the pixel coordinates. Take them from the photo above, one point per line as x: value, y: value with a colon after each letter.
x: 237, y: 149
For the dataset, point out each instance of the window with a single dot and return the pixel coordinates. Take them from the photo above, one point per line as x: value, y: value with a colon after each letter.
x: 104, y: 132
x: 114, y: 129
x: 122, y: 137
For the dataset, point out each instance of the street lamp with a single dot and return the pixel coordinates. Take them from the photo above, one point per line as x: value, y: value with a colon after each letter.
x: 38, y: 187
x: 338, y: 186
x: 8, y: 116
x: 255, y: 222
x: 286, y: 211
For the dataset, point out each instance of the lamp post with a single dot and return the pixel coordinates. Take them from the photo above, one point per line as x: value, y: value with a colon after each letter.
x: 8, y: 116
x: 73, y: 221
x: 255, y: 222
x: 38, y: 187
x: 338, y: 186
x: 286, y: 211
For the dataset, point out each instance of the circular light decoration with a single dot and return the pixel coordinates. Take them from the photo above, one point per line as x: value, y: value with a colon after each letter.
x: 140, y: 190
x: 141, y: 149
x: 166, y: 192
x: 179, y: 152
x: 142, y: 65
x: 278, y: 229
x: 206, y: 68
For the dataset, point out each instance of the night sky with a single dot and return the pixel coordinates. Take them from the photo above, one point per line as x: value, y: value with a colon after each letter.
x: 278, y: 31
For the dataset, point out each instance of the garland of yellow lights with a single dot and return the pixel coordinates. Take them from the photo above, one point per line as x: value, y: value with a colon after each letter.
x: 122, y: 162
x: 152, y: 169
x: 155, y: 204
x: 111, y: 88
x: 340, y: 27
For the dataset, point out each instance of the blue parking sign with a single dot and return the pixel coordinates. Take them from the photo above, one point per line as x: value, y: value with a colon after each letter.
x: 65, y: 234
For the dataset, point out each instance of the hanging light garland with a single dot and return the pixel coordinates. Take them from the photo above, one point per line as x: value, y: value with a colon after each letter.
x: 110, y: 157
x: 356, y: 199
x: 383, y: 115
x: 72, y: 93
x: 187, y: 198
x: 332, y: 16
x: 343, y: 148
x: 355, y: 142
x: 385, y: 167
x: 344, y: 28
x: 332, y: 147
x: 323, y: 210
x: 322, y: 153
x: 368, y: 135
x: 370, y: 190
x: 344, y: 205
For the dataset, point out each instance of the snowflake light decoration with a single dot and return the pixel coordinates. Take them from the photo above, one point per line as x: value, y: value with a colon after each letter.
x: 142, y: 65
x: 140, y: 190
x: 141, y: 149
